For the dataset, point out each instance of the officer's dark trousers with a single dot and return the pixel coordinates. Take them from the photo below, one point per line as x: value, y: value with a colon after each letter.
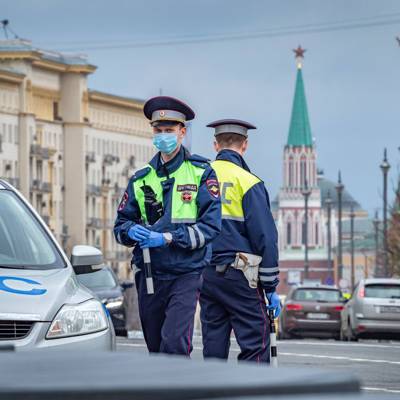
x: 167, y: 316
x: 227, y: 302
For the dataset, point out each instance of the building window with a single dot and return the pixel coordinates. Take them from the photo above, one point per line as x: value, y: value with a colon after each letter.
x: 10, y: 134
x: 56, y: 115
x: 303, y: 171
x: 290, y: 177
x: 289, y: 234
x: 16, y: 134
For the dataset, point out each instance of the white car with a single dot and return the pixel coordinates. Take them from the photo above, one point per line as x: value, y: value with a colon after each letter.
x: 42, y: 304
x: 373, y: 311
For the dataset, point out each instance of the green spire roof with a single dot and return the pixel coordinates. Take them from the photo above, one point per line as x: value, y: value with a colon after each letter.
x: 300, y: 130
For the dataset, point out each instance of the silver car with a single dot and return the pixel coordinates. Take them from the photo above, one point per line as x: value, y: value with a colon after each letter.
x: 42, y: 305
x: 373, y: 310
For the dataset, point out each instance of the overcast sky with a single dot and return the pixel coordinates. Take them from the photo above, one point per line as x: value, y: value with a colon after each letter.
x: 351, y: 76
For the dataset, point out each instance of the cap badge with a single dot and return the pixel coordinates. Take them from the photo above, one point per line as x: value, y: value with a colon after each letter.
x: 162, y: 113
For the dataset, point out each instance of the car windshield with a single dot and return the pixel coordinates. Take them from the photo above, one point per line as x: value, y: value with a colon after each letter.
x: 23, y: 241
x: 317, y: 295
x: 103, y: 279
x: 383, y: 291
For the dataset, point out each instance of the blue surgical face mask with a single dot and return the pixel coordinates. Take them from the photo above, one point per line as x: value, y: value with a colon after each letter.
x: 165, y: 142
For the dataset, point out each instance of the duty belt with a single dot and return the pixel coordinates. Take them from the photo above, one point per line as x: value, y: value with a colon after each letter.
x: 247, y: 263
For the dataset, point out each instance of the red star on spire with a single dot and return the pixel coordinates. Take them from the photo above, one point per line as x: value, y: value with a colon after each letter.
x: 299, y: 52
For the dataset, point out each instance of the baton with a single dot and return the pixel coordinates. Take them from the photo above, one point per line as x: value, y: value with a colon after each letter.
x: 272, y: 339
x: 147, y: 271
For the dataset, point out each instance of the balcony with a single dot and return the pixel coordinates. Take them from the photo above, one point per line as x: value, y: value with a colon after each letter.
x: 39, y: 186
x: 35, y: 185
x: 12, y: 181
x: 46, y: 187
x: 109, y: 159
x: 90, y: 157
x: 43, y: 153
x: 105, y: 185
x: 93, y: 190
x: 108, y: 224
x: 95, y: 223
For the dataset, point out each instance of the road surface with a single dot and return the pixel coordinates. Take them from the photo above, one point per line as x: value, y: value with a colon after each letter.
x: 376, y: 363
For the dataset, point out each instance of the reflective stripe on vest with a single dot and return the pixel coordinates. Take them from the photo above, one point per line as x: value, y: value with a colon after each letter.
x: 234, y: 183
x: 187, y: 180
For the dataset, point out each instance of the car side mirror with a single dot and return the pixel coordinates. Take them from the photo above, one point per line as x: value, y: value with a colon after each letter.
x: 126, y: 285
x: 86, y: 259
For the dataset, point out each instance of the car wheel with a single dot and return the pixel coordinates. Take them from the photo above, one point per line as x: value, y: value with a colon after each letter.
x: 121, y: 332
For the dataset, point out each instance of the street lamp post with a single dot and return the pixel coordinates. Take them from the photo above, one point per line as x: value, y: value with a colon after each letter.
x: 385, y: 166
x: 306, y: 192
x: 352, y: 215
x: 328, y: 203
x: 376, y: 229
x: 339, y: 189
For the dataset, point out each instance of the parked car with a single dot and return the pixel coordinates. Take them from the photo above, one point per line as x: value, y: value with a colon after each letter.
x: 42, y: 304
x: 105, y: 285
x: 373, y: 311
x: 311, y: 311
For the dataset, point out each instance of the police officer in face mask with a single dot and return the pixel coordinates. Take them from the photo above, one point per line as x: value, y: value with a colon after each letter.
x: 244, y: 264
x: 177, y: 224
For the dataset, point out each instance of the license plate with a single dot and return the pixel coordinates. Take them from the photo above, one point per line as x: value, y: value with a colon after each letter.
x: 389, y: 309
x: 317, y: 316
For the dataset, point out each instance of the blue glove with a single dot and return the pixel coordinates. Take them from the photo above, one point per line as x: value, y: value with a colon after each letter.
x: 138, y: 233
x: 155, y: 239
x: 274, y: 303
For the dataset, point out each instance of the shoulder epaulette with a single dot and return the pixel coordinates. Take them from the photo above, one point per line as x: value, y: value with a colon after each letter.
x: 141, y: 173
x: 199, y: 161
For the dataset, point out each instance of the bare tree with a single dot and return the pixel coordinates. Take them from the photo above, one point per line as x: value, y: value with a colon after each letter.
x: 394, y: 234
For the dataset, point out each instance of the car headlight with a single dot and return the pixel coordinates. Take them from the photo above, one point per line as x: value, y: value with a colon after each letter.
x: 114, y: 303
x: 78, y: 319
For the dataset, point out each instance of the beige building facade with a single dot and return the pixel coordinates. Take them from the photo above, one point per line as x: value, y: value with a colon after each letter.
x: 68, y: 149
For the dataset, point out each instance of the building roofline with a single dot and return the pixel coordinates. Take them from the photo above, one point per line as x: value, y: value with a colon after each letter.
x: 11, y: 77
x: 61, y: 67
x: 50, y: 60
x: 120, y: 101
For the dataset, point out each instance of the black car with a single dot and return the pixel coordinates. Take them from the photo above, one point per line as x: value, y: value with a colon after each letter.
x: 104, y: 283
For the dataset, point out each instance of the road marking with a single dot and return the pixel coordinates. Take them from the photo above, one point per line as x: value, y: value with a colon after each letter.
x: 342, y: 358
x: 380, y: 390
x: 143, y: 345
x: 383, y: 346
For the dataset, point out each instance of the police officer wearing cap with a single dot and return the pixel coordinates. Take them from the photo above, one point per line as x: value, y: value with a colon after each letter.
x: 177, y: 225
x: 244, y: 263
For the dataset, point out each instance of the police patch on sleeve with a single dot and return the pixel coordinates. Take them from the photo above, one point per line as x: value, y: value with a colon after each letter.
x: 213, y: 187
x: 124, y: 200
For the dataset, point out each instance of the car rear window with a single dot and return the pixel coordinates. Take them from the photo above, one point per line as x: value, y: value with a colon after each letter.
x: 383, y: 291
x: 317, y: 295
